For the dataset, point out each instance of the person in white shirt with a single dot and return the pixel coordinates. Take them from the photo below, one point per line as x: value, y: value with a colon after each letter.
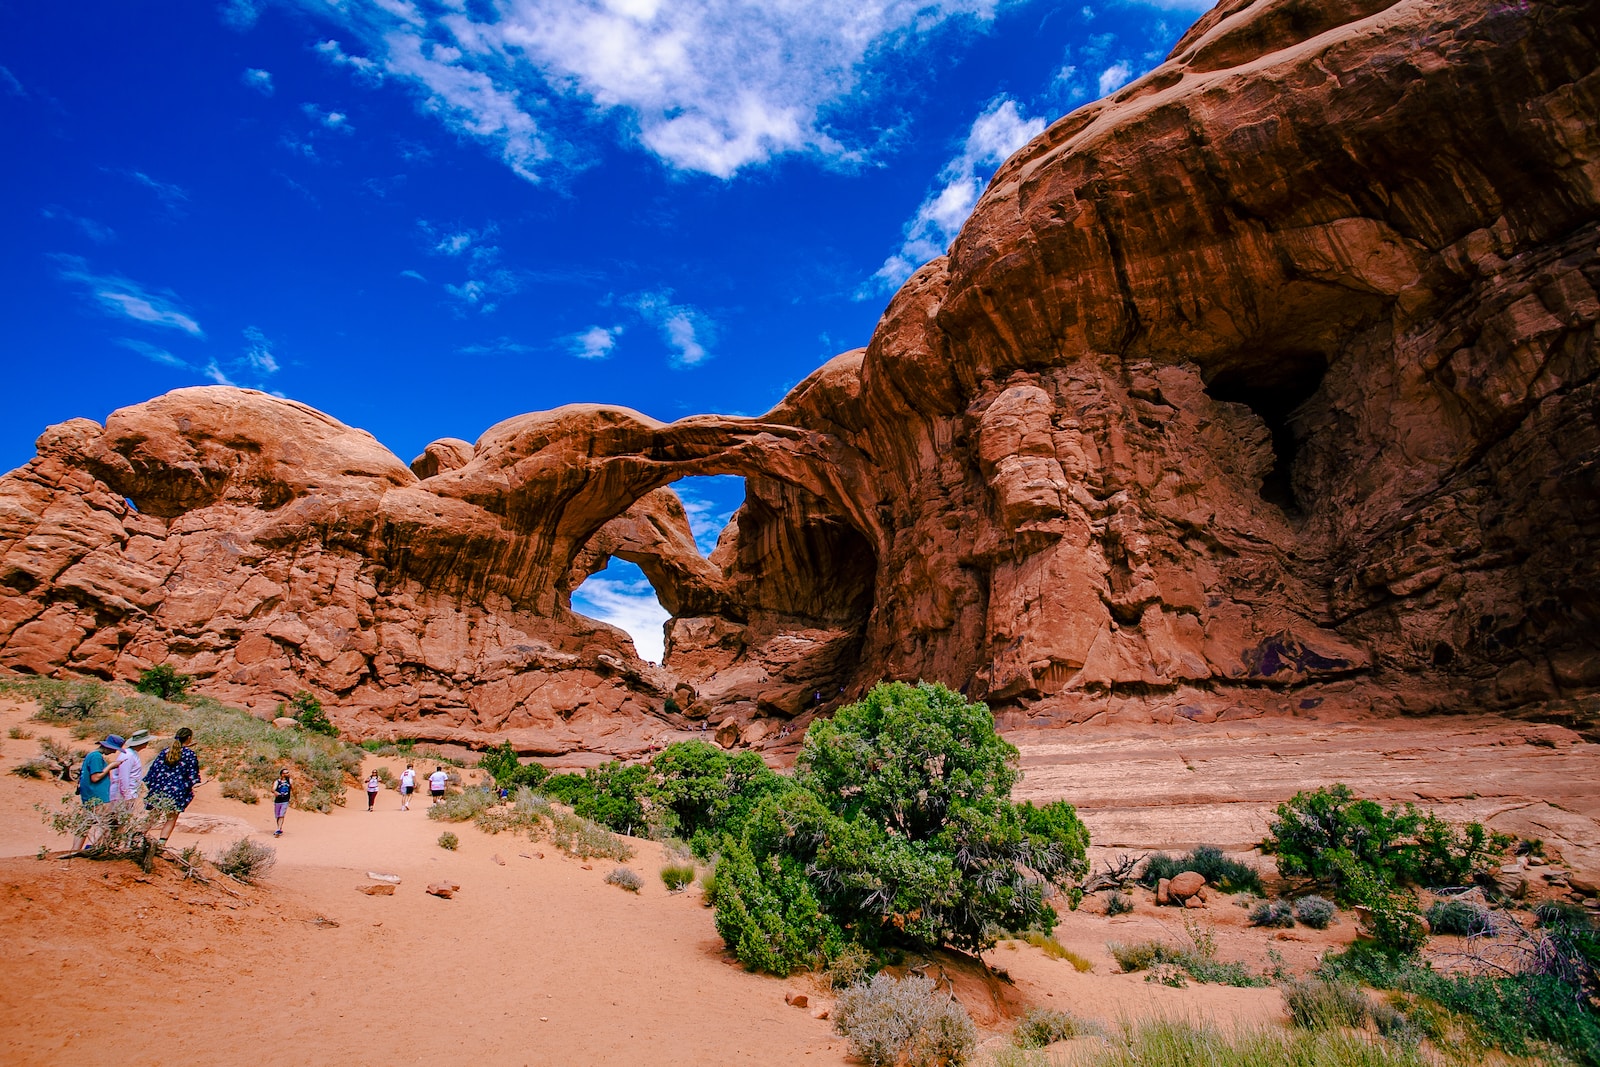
x: 436, y: 783
x: 128, y: 778
x: 408, y: 785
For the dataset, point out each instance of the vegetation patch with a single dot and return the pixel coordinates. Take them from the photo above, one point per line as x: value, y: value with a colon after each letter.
x: 246, y: 860
x: 891, y: 1021
x: 1230, y: 876
x: 1170, y: 964
x: 1315, y: 911
x: 1272, y: 913
x: 449, y: 841
x: 1166, y: 1043
x: 676, y: 876
x: 1316, y: 1004
x: 1045, y: 1026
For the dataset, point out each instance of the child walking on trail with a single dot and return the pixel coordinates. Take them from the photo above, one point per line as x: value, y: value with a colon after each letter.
x: 373, y: 785
x: 280, y: 800
x: 408, y: 785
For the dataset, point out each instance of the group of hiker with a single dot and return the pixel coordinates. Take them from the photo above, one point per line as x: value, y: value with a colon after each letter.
x: 116, y: 771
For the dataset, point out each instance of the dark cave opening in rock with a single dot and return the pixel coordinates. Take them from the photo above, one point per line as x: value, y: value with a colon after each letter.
x: 1274, y: 391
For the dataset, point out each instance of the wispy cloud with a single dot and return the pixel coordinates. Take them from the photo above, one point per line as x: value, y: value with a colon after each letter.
x: 217, y: 375
x: 259, y: 80
x: 486, y: 283
x: 708, y: 517
x: 239, y: 14
x: 413, y: 275
x: 710, y: 86
x: 124, y: 298
x: 336, y: 121
x: 91, y: 229
x: 154, y: 353
x: 367, y: 69
x: 1115, y: 77
x: 996, y: 133
x: 500, y: 346
x: 9, y: 82
x: 596, y: 342
x: 628, y: 603
x: 172, y: 197
x: 258, y: 351
x: 685, y: 329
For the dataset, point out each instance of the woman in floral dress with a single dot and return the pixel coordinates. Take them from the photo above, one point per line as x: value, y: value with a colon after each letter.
x: 171, y: 780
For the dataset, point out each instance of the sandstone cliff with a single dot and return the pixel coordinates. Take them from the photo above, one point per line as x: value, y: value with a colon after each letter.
x: 1268, y: 382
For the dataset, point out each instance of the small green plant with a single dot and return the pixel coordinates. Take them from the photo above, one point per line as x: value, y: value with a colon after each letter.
x: 164, y: 682
x: 1272, y: 913
x: 462, y: 806
x: 305, y: 709
x: 903, y: 1021
x: 507, y: 769
x: 852, y: 964
x: 623, y: 878
x: 1045, y: 1026
x: 1171, y: 962
x: 1165, y: 1043
x: 1459, y: 917
x: 34, y: 768
x: 1315, y: 1003
x: 1314, y: 911
x: 676, y: 876
x: 449, y: 841
x: 1056, y: 950
x: 17, y: 733
x: 71, y: 704
x: 1117, y: 904
x: 246, y: 860
x: 240, y: 791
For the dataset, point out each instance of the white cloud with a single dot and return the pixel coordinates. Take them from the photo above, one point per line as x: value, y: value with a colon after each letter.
x: 239, y: 15
x: 172, y: 197
x: 259, y: 80
x: 711, y: 86
x: 96, y: 232
x: 12, y: 85
x: 708, y: 518
x: 413, y: 275
x: 153, y: 353
x: 331, y: 120
x: 1115, y: 77
x: 259, y: 353
x: 116, y: 295
x: 334, y: 53
x: 214, y: 372
x: 486, y: 283
x: 685, y: 329
x: 596, y: 342
x: 995, y: 134
x: 629, y: 604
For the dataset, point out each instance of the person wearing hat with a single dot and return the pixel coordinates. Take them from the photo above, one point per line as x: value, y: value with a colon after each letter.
x: 128, y: 777
x: 94, y: 779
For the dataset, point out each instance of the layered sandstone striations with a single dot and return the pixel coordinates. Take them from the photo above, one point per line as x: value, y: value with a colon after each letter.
x: 1268, y: 381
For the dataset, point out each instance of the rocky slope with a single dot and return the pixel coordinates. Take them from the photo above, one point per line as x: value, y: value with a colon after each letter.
x: 1269, y: 381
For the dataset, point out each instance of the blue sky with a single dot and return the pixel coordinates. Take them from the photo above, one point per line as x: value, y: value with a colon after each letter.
x: 424, y: 217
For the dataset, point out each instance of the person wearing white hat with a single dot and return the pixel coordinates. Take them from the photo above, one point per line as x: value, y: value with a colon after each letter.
x: 128, y: 778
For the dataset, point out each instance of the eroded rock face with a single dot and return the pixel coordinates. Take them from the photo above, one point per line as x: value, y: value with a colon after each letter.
x: 1269, y: 381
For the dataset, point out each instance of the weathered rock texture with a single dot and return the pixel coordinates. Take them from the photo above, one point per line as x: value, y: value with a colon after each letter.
x: 1268, y: 381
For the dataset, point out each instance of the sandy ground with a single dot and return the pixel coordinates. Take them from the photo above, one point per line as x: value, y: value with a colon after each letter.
x: 536, y: 960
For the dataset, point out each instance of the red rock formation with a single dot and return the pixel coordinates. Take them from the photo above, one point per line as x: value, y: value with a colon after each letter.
x: 1268, y: 381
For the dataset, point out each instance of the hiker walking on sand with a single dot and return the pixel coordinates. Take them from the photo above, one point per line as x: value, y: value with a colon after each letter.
x: 280, y: 799
x: 128, y: 778
x: 436, y: 783
x: 94, y: 779
x: 171, y: 779
x: 373, y: 785
x: 408, y: 785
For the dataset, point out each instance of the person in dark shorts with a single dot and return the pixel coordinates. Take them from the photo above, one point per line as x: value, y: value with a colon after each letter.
x: 280, y: 799
x: 436, y: 783
x: 408, y: 785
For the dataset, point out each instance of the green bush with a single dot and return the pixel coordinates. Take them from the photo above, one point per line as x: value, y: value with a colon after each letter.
x: 1314, y: 911
x: 1395, y: 915
x: 305, y: 709
x: 449, y: 841
x: 1045, y: 1026
x: 1459, y: 917
x: 508, y: 771
x: 1230, y: 876
x: 1315, y: 1003
x: 1322, y: 834
x: 164, y: 682
x: 462, y: 806
x: 1272, y: 913
x: 246, y: 860
x: 1198, y: 961
x: 709, y: 792
x: 903, y: 1021
x: 1117, y: 904
x: 768, y: 915
x: 676, y: 876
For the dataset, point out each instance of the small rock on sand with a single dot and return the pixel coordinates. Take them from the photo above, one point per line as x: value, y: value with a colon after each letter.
x: 443, y: 889
x: 379, y: 889
x: 380, y: 876
x: 497, y: 859
x: 797, y: 1000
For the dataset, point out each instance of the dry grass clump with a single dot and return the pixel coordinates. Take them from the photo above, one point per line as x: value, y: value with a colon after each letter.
x: 891, y: 1021
x: 1045, y: 1026
x: 246, y: 860
x: 240, y: 791
x: 1056, y: 950
x: 462, y: 806
x: 449, y: 841
x: 1316, y: 1004
x: 1164, y: 1043
x: 1272, y: 913
x: 623, y: 878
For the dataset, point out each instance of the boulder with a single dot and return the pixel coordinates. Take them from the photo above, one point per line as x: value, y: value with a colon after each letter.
x: 797, y: 1000
x: 283, y: 722
x: 1186, y: 884
x: 443, y: 889
x: 1164, y: 891
x: 377, y: 889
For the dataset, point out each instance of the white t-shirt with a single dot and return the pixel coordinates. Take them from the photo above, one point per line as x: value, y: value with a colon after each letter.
x: 408, y: 780
x: 438, y: 780
x: 372, y: 784
x: 127, y: 776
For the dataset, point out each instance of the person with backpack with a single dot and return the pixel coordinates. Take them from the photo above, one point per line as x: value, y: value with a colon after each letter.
x: 280, y: 799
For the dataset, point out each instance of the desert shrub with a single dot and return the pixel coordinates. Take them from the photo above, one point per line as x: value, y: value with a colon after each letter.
x: 449, y: 841
x: 386, y: 776
x: 508, y: 771
x: 34, y: 768
x: 1396, y: 920
x: 1198, y: 961
x: 164, y: 682
x: 615, y: 796
x: 1315, y: 1003
x: 902, y: 1021
x: 463, y: 806
x: 1045, y: 1026
x: 241, y: 791
x: 623, y: 878
x: 1117, y: 904
x: 17, y: 733
x: 1323, y: 834
x: 70, y: 703
x: 768, y: 915
x: 305, y: 709
x: 1314, y: 911
x: 1230, y: 876
x: 110, y: 831
x: 850, y: 966
x: 677, y: 875
x: 580, y: 837
x: 1272, y: 913
x: 246, y: 860
x: 496, y: 819
x: 1460, y: 917
x: 1167, y: 1043
x: 709, y: 792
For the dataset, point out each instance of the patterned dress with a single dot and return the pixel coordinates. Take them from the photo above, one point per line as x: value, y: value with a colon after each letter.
x: 174, y: 781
